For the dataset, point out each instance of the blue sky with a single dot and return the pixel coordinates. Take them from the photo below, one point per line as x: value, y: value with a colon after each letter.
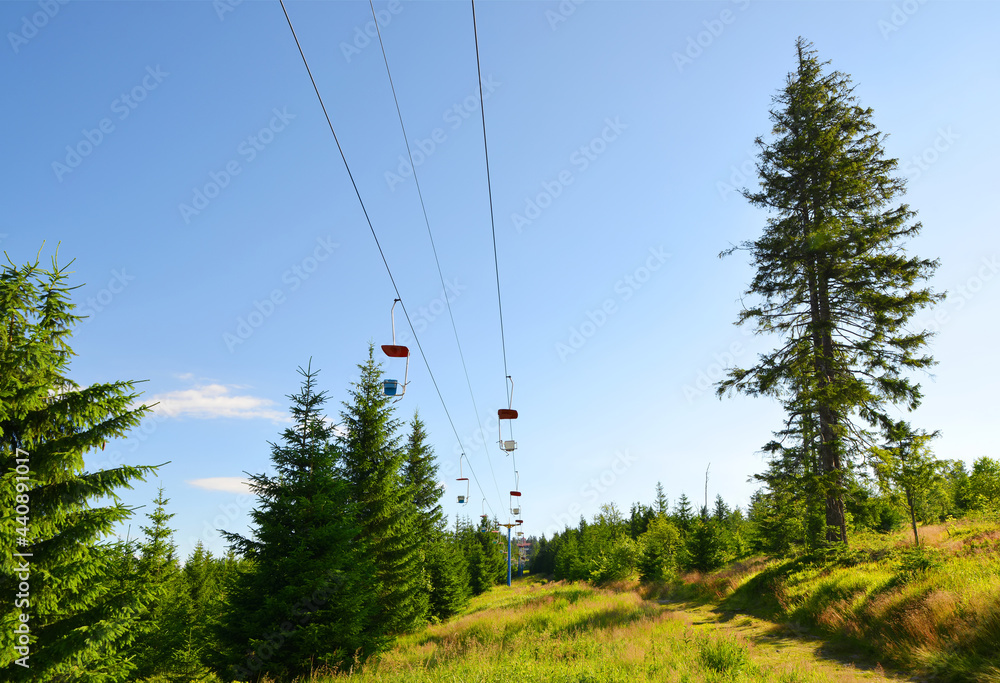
x: 178, y: 153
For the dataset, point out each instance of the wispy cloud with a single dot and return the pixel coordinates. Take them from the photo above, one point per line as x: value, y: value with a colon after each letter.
x: 230, y: 484
x: 211, y: 401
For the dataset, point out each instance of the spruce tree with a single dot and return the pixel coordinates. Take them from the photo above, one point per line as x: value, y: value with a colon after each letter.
x: 305, y: 601
x: 373, y: 464
x: 661, y: 501
x: 832, y: 275
x: 160, y: 630
x: 721, y: 511
x: 683, y: 513
x: 448, y: 570
x: 420, y: 476
x: 81, y: 601
x: 445, y: 569
x: 662, y: 551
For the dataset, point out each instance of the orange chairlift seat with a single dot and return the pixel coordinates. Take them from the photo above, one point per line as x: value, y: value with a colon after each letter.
x: 392, y: 387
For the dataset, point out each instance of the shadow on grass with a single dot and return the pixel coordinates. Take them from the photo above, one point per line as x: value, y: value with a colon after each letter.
x: 840, y: 614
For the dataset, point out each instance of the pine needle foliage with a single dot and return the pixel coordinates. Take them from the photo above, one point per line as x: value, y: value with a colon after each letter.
x: 373, y: 463
x: 304, y: 601
x: 80, y: 615
x: 833, y: 278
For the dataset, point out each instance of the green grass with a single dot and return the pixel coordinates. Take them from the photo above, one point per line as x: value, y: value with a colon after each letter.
x: 574, y: 633
x: 931, y: 611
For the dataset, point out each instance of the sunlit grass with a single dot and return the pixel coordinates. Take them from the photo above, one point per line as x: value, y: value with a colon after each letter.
x: 574, y: 633
x: 931, y: 610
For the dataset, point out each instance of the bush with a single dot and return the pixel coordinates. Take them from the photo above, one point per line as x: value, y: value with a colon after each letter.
x: 661, y: 546
x: 616, y: 562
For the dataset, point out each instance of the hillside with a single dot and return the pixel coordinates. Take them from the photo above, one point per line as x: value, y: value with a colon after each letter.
x: 933, y: 611
x: 549, y: 632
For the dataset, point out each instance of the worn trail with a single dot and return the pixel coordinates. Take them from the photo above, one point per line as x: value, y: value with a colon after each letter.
x: 775, y: 644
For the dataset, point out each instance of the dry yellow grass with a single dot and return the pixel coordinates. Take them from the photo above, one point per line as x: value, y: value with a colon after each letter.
x: 933, y: 611
x: 575, y: 633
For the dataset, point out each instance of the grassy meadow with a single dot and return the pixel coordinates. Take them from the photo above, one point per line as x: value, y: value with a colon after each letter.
x: 933, y: 611
x: 554, y: 632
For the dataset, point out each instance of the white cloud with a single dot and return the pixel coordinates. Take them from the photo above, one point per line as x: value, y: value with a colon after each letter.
x: 230, y: 484
x: 212, y: 401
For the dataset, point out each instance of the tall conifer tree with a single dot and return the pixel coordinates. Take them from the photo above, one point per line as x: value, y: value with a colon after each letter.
x: 80, y: 616
x: 833, y: 277
x: 305, y: 601
x: 372, y: 461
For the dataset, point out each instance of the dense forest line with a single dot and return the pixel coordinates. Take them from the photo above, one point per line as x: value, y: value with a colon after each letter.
x: 658, y: 543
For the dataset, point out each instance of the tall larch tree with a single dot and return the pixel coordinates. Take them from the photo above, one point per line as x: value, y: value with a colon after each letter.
x: 833, y: 278
x: 74, y: 619
x: 373, y: 462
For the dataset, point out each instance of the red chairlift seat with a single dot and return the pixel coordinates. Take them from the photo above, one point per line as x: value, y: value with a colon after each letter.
x: 392, y: 387
x: 508, y: 413
x: 395, y: 351
x: 462, y: 500
x: 515, y: 508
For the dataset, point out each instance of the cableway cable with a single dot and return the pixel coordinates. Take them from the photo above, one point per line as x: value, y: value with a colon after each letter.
x: 430, y: 235
x: 377, y: 243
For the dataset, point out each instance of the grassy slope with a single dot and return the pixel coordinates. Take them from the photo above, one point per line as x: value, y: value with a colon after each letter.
x: 575, y: 633
x: 935, y: 612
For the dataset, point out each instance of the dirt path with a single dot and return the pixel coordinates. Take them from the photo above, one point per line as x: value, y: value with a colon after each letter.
x: 778, y: 644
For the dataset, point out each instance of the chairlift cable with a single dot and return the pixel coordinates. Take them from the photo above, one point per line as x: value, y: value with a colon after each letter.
x: 489, y: 188
x: 377, y: 243
x: 496, y: 259
x: 430, y: 235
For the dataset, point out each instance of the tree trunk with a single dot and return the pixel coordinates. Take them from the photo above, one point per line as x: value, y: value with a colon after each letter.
x: 913, y: 515
x: 836, y: 526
